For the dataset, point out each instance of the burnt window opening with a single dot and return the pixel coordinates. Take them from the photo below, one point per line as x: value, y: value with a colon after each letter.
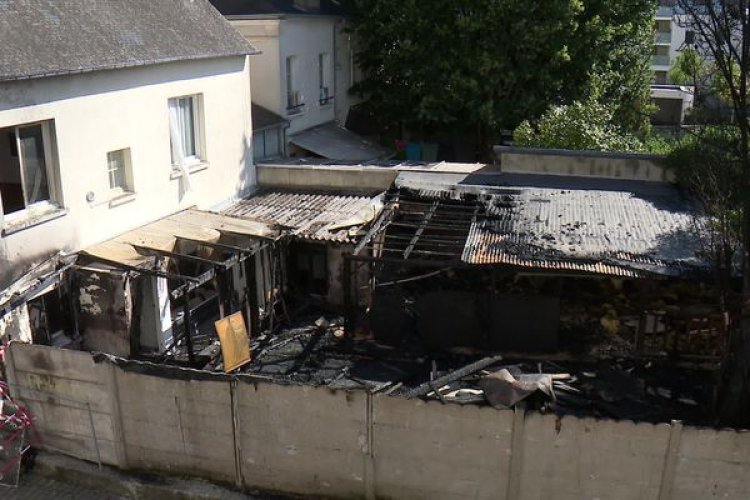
x: 308, y: 270
x: 51, y: 319
x: 27, y: 167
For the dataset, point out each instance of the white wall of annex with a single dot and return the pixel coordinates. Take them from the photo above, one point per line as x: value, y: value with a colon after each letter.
x: 103, y: 111
x: 265, y: 68
x: 306, y: 38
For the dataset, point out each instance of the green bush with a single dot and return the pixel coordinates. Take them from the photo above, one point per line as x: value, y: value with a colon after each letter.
x: 587, y: 125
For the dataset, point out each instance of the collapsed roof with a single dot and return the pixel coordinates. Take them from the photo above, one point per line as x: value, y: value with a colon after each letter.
x: 49, y: 37
x: 555, y: 224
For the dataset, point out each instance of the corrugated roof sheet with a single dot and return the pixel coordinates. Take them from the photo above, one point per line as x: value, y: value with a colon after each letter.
x: 311, y: 215
x: 54, y: 37
x: 162, y: 234
x: 336, y: 143
x: 619, y: 228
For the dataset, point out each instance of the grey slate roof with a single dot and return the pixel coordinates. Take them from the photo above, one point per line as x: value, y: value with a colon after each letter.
x: 53, y: 37
x: 278, y: 7
x: 264, y: 118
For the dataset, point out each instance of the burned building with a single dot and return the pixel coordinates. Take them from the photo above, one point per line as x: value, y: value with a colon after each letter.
x: 533, y: 263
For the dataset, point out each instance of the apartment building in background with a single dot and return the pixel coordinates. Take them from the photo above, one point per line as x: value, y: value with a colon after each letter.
x: 303, y: 75
x: 672, y: 100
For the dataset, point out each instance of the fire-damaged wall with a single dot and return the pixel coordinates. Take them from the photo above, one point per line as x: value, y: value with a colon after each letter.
x: 106, y: 311
x: 499, y: 322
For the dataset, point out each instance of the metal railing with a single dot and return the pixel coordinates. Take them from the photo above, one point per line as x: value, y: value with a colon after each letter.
x: 660, y: 60
x: 664, y: 37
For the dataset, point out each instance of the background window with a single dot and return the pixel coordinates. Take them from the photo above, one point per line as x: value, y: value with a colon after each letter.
x: 324, y: 79
x: 26, y: 161
x: 185, y: 117
x: 293, y: 97
x: 119, y: 169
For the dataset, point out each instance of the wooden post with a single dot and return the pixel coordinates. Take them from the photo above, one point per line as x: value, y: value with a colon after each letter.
x: 188, y: 328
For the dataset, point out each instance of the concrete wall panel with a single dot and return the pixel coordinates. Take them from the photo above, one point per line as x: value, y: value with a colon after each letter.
x: 303, y: 439
x: 68, y: 395
x: 571, y: 458
x: 429, y: 450
x: 177, y: 426
x: 712, y: 464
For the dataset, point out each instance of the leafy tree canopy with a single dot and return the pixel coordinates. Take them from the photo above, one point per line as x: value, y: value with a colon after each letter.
x: 495, y: 63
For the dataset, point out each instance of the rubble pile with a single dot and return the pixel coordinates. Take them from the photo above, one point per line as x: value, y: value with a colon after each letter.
x: 315, y: 353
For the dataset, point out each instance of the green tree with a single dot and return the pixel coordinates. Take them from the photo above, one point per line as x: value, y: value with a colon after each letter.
x: 722, y: 35
x: 692, y: 68
x: 586, y: 125
x: 490, y: 64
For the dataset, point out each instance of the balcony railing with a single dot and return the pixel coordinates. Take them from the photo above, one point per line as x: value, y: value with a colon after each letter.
x: 663, y: 37
x: 659, y: 60
x: 665, y: 11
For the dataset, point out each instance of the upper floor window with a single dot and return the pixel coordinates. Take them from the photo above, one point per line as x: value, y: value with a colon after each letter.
x: 186, y: 129
x: 324, y: 78
x: 294, y: 100
x: 120, y: 171
x: 28, y: 172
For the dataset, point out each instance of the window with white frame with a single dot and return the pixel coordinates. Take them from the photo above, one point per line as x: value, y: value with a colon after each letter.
x: 267, y: 144
x: 294, y: 100
x: 324, y: 78
x: 186, y: 129
x: 120, y: 171
x: 28, y: 170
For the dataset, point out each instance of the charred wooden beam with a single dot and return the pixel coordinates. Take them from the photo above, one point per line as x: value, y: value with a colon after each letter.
x: 425, y: 388
x: 425, y: 221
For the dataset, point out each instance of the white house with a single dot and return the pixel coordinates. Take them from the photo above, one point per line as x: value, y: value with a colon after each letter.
x: 304, y: 72
x: 112, y: 115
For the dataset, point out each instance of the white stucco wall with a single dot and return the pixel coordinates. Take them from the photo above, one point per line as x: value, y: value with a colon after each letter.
x: 304, y: 37
x: 103, y: 111
x: 265, y: 68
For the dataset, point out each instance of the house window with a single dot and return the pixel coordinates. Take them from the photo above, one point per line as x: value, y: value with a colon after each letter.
x: 267, y: 144
x: 120, y: 171
x: 294, y: 99
x: 27, y: 167
x: 324, y: 85
x: 186, y: 129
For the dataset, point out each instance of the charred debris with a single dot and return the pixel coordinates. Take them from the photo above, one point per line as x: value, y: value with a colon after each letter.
x: 564, y: 295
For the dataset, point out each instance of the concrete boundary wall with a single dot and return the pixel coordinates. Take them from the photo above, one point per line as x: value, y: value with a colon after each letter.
x: 344, y: 178
x: 316, y: 441
x: 608, y: 165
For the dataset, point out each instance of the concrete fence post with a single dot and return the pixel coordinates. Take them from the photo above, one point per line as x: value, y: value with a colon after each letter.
x: 670, y: 460
x: 117, y: 427
x: 515, y: 467
x: 10, y: 371
x: 236, y: 431
x: 370, y: 452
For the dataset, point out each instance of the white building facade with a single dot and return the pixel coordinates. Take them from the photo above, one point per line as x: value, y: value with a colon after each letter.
x: 87, y: 155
